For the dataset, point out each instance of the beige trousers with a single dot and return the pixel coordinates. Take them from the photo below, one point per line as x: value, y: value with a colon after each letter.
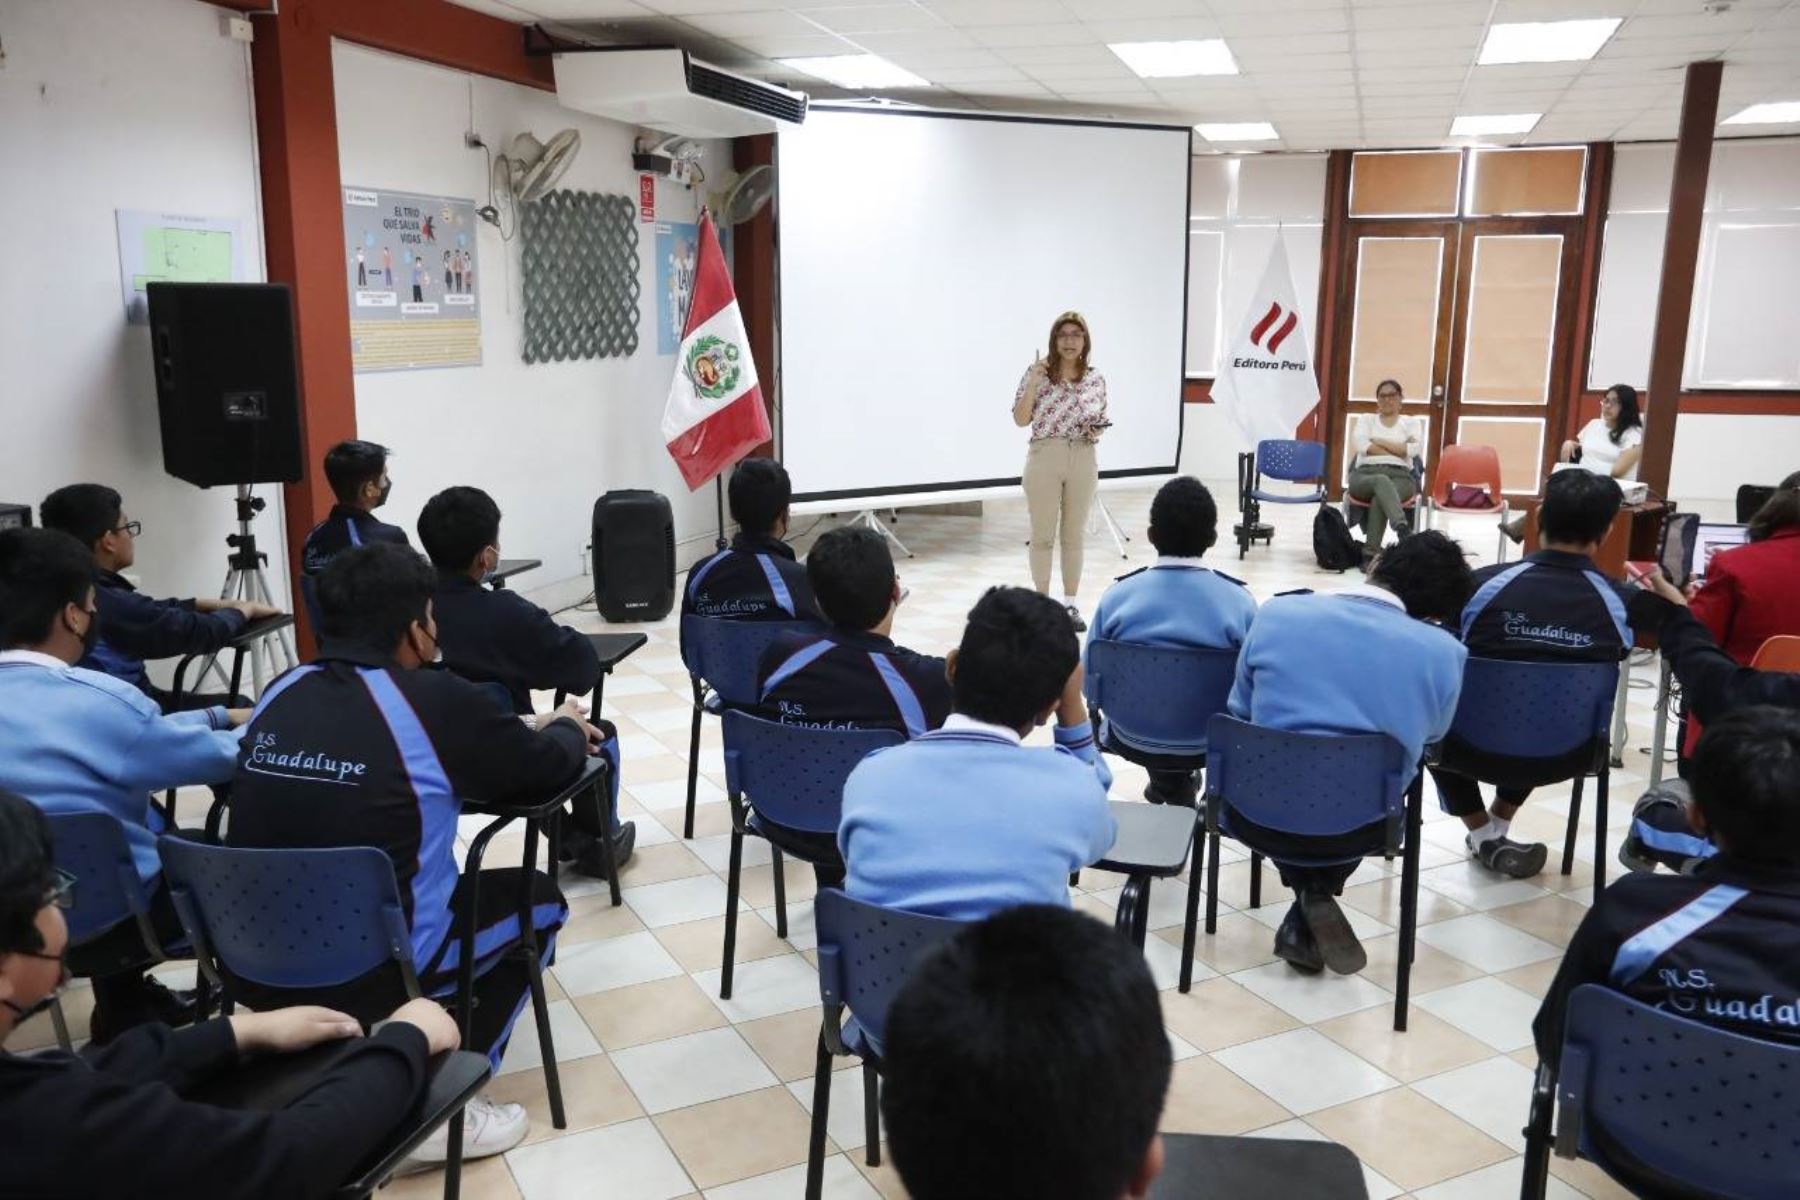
x: 1060, y: 478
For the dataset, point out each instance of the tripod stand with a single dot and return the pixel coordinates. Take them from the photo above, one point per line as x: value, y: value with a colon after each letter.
x: 245, y: 579
x: 1102, y: 515
x: 872, y: 518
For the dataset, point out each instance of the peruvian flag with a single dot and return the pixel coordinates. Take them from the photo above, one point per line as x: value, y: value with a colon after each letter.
x: 715, y: 413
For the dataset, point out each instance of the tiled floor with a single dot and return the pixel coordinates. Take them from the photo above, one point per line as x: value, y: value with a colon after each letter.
x: 672, y: 1092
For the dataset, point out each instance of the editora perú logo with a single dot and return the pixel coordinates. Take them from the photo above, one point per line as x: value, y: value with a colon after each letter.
x: 1267, y: 335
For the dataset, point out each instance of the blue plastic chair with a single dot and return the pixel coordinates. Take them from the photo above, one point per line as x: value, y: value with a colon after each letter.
x: 789, y: 777
x: 91, y: 846
x: 1319, y: 785
x: 1156, y: 701
x: 1524, y: 723
x: 1288, y: 460
x: 1665, y: 1105
x: 301, y: 919
x: 721, y: 657
x: 865, y: 954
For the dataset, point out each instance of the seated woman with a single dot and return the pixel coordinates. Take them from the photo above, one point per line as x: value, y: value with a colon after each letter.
x: 1385, y: 445
x: 1611, y: 444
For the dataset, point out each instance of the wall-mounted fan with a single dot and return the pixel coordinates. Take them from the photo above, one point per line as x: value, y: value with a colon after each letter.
x: 743, y: 196
x: 527, y: 171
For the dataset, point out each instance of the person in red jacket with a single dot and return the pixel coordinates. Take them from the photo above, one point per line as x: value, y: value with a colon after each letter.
x: 1752, y: 592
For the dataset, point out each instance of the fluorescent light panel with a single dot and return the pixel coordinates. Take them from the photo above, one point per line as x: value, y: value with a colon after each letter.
x: 1171, y: 60
x: 1774, y: 112
x: 856, y: 71
x: 1241, y: 131
x: 1496, y: 123
x: 1546, y: 41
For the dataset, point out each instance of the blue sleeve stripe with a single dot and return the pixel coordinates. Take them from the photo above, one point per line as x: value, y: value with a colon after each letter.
x: 1672, y: 843
x: 796, y: 662
x: 1484, y: 595
x: 438, y: 812
x: 279, y: 686
x: 699, y: 573
x: 905, y: 699
x: 1615, y: 607
x: 1642, y: 949
x: 777, y: 585
x: 355, y: 537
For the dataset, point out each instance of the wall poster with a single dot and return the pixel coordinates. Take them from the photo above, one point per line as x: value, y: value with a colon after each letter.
x: 410, y: 262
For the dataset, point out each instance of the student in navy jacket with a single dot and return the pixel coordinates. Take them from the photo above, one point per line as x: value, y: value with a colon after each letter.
x: 1721, y: 945
x: 362, y: 748
x: 357, y: 472
x: 1555, y: 606
x: 496, y: 636
x: 1367, y: 659
x: 852, y: 675
x: 1176, y: 602
x: 966, y: 820
x: 114, y: 1121
x: 757, y: 578
x: 135, y: 627
x: 74, y: 740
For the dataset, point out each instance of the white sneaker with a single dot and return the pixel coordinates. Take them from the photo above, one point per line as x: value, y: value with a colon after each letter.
x: 488, y: 1129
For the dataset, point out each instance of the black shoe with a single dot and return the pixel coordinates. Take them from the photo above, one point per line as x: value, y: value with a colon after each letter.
x: 1075, y: 616
x: 1185, y: 794
x: 1520, y: 860
x: 1331, y: 930
x: 592, y: 863
x: 1294, y: 944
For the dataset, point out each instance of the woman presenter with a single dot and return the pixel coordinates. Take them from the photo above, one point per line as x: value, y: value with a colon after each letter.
x: 1064, y: 401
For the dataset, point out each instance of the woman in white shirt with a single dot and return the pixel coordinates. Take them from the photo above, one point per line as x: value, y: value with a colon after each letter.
x: 1385, y: 444
x: 1611, y: 443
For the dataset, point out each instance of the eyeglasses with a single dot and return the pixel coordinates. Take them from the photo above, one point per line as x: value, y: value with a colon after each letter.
x: 62, y: 891
x: 134, y: 528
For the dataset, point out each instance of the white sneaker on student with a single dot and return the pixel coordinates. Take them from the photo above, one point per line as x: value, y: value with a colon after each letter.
x: 488, y: 1128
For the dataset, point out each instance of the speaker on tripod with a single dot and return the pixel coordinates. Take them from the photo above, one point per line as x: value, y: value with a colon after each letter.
x: 227, y: 392
x: 634, y: 556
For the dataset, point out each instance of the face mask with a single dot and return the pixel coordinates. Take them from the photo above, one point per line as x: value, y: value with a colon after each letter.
x: 436, y: 657
x: 90, y: 637
x: 487, y: 573
x: 385, y: 489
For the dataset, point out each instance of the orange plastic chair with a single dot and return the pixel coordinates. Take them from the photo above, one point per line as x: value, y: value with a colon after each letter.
x: 1479, y: 465
x: 1779, y: 653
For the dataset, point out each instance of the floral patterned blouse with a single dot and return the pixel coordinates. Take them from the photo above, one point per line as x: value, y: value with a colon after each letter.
x: 1066, y: 410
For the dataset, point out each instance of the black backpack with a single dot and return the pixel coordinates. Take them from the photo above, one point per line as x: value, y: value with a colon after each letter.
x: 1333, y: 546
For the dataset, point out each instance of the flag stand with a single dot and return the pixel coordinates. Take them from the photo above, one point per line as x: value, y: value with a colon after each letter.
x: 719, y: 503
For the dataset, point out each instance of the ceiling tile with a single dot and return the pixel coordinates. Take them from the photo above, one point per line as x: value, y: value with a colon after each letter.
x: 927, y: 61
x: 1026, y: 56
x: 1267, y: 24
x: 914, y: 39
x: 957, y: 77
x: 1154, y: 29
x: 968, y: 14
x: 880, y: 18
x: 1454, y: 14
x: 1261, y: 49
x: 683, y: 8
x: 1112, y: 10
x: 796, y: 47
x: 757, y: 24
x: 1013, y: 36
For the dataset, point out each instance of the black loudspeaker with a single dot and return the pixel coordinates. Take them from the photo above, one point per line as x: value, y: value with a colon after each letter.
x: 15, y: 516
x: 634, y: 556
x: 226, y: 388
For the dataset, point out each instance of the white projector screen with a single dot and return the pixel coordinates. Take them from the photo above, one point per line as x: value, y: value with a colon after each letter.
x: 923, y: 257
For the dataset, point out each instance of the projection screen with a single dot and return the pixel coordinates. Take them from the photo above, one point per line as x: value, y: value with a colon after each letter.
x: 922, y: 259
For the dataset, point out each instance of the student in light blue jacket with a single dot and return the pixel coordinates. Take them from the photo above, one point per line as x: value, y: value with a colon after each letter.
x: 966, y: 820
x: 1367, y: 659
x: 1177, y: 602
x: 74, y: 740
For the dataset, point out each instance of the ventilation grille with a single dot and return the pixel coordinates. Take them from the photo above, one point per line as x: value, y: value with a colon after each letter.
x: 746, y: 94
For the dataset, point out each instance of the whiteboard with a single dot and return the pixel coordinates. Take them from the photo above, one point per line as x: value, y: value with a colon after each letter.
x: 922, y: 259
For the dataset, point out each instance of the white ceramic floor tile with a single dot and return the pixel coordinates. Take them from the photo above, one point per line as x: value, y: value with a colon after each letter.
x: 678, y: 900
x: 1498, y: 1182
x: 572, y: 1037
x: 632, y: 683
x: 631, y: 1158
x: 845, y: 1120
x: 661, y: 720
x: 1474, y: 886
x: 1483, y: 942
x: 1303, y: 1070
x: 841, y: 1181
x: 802, y: 933
x: 692, y: 1070
x: 1165, y: 962
x: 715, y: 851
x: 1180, y: 1049
x: 672, y: 793
x: 1379, y: 1186
x: 1168, y: 901
x: 1487, y: 1009
x: 1493, y: 1095
x: 765, y: 987
x: 636, y: 747
x: 1361, y: 923
x: 617, y: 962
x: 1312, y: 998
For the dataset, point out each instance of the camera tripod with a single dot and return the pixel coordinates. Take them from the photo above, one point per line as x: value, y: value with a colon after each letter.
x: 245, y: 579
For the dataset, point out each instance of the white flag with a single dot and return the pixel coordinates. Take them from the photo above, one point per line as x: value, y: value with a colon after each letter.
x: 1265, y: 381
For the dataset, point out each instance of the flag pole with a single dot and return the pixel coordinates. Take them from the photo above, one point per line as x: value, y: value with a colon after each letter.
x: 719, y: 503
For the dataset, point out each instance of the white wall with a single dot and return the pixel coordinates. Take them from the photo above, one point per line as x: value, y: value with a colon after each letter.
x: 544, y: 440
x: 105, y: 106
